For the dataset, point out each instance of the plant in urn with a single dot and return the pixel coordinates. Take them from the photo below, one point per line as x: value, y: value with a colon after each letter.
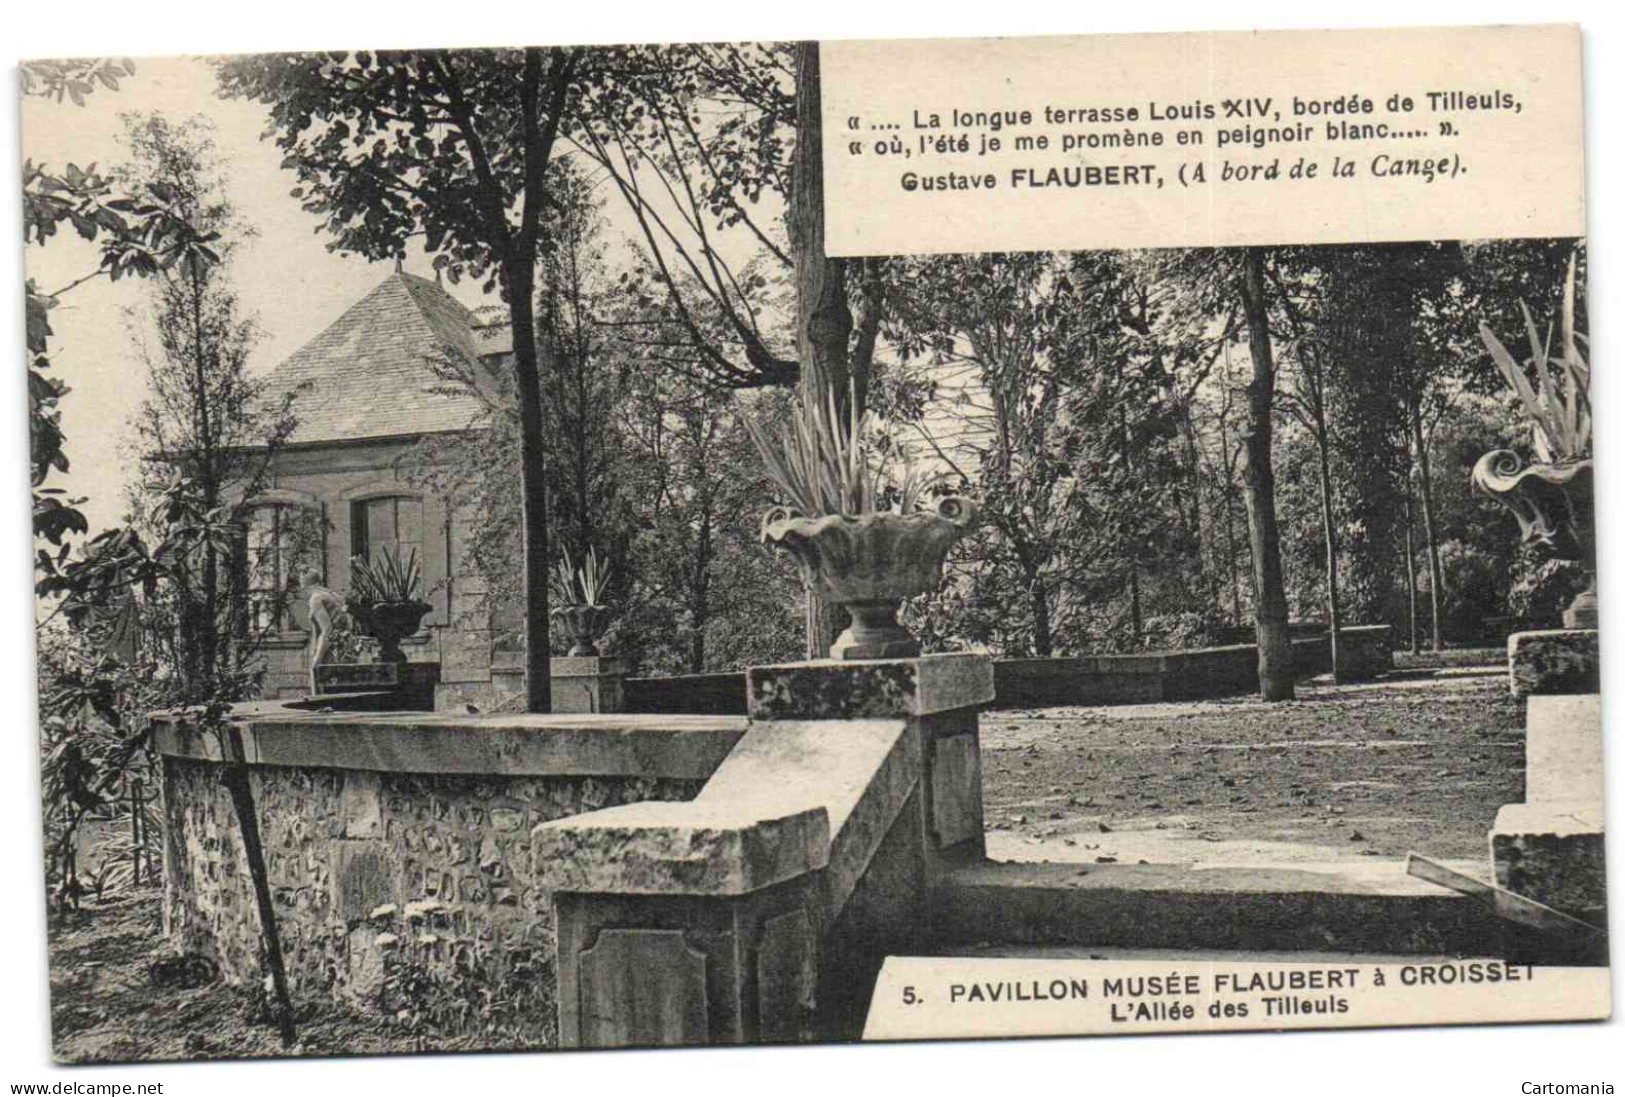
x: 1552, y: 496
x: 850, y: 550
x: 385, y: 600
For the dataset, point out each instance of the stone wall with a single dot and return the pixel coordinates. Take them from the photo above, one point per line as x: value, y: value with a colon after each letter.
x: 1554, y: 661
x: 1551, y: 847
x: 399, y: 891
x: 1135, y: 679
x: 1366, y: 651
x: 711, y: 694
x: 1087, y: 680
x: 1191, y: 675
x: 1195, y: 674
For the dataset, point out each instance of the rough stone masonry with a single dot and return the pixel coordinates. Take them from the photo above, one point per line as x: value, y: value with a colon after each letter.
x: 387, y: 886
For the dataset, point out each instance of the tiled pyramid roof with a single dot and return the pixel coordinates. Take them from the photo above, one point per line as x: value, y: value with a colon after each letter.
x: 367, y: 373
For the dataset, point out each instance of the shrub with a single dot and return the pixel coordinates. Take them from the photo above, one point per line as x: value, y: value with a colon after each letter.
x: 1542, y: 589
x: 1181, y: 631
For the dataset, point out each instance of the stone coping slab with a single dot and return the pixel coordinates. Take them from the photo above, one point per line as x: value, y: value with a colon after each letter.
x: 792, y: 798
x: 662, y: 848
x: 1575, y: 820
x: 1554, y: 661
x: 857, y: 689
x: 615, y: 745
x: 1372, y: 877
x: 586, y: 666
x: 1365, y: 908
x: 1044, y: 666
x: 859, y: 771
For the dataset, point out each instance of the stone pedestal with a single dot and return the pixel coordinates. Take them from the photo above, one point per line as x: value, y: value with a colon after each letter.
x: 412, y: 683
x: 940, y: 695
x: 1582, y: 612
x: 761, y: 910
x: 588, y: 683
x: 1563, y: 750
x: 1550, y: 848
x: 1554, y: 854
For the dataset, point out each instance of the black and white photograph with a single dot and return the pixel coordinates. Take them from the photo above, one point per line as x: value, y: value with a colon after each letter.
x: 600, y: 547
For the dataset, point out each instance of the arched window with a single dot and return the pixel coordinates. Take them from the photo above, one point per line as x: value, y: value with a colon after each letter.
x: 283, y: 540
x: 386, y: 523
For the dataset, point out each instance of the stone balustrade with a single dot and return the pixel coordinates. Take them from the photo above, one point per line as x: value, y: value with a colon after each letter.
x: 1550, y: 847
x: 716, y: 920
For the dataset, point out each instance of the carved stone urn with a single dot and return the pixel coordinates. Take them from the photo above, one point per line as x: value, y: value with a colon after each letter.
x: 1554, y: 506
x: 582, y: 625
x: 869, y: 564
x: 389, y: 623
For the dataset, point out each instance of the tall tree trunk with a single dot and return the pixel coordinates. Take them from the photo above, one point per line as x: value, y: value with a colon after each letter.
x: 1230, y: 545
x: 207, y: 472
x: 700, y: 607
x: 1229, y: 502
x: 1136, y: 622
x: 1329, y: 529
x: 1435, y: 572
x: 1410, y: 568
x: 823, y: 318
x: 521, y: 279
x: 696, y: 642
x: 1205, y: 573
x: 1136, y: 615
x: 521, y: 246
x: 1275, y: 679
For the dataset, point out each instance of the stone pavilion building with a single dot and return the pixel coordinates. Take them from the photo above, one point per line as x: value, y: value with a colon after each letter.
x: 366, y: 397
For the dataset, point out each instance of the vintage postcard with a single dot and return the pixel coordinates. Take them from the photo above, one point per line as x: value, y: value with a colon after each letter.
x: 787, y: 542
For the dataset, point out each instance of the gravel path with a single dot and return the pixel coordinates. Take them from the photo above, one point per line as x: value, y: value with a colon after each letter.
x: 1421, y: 760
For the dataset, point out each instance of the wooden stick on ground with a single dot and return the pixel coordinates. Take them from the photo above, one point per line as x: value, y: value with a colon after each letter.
x: 235, y: 777
x: 1506, y: 904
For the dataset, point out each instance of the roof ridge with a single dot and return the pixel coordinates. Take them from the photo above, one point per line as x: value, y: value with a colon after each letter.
x: 415, y: 282
x: 361, y: 302
x: 367, y: 373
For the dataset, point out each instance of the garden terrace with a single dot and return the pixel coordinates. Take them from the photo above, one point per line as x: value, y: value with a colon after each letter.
x: 580, y: 870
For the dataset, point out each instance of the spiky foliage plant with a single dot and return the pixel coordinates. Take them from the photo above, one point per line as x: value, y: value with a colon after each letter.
x: 821, y: 463
x: 1558, y: 403
x: 580, y: 586
x: 386, y: 578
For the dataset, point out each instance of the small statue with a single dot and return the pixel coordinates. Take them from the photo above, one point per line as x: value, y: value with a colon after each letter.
x: 324, y: 606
